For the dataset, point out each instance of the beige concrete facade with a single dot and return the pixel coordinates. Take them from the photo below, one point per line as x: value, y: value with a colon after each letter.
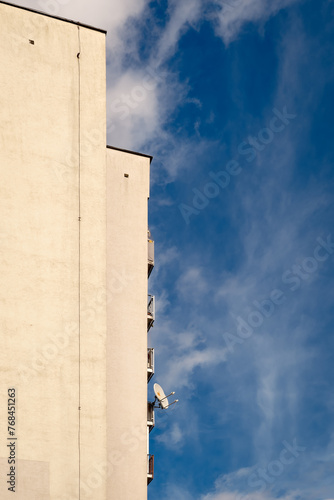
x: 127, y: 331
x: 73, y: 295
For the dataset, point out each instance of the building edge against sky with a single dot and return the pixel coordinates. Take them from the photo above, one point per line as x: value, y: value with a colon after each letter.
x: 74, y: 267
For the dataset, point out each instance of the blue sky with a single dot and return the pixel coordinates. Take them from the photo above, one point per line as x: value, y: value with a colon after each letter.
x: 234, y: 99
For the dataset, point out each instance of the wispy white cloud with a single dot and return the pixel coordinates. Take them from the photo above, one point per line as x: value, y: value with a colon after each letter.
x: 173, y: 438
x: 192, y: 283
x: 234, y: 14
x: 182, y: 15
x: 252, y: 496
x: 178, y: 371
x: 133, y: 108
x: 175, y: 492
x: 189, y: 340
x: 277, y: 227
x: 314, y: 480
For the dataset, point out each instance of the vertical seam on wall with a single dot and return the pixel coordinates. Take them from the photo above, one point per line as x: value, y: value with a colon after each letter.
x: 79, y: 269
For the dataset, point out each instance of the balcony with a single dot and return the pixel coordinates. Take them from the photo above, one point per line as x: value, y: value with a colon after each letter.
x: 150, y: 256
x: 150, y: 468
x: 150, y: 363
x: 150, y: 311
x: 150, y: 416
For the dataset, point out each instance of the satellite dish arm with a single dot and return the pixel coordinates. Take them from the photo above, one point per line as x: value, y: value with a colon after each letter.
x: 176, y: 401
x: 171, y: 394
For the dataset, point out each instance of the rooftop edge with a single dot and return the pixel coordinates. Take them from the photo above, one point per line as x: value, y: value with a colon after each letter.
x: 131, y: 152
x: 64, y: 19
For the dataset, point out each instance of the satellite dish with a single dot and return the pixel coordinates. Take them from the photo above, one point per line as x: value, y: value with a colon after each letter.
x: 161, y: 397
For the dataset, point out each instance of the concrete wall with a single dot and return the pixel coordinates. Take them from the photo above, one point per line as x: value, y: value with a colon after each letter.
x: 127, y: 324
x: 53, y: 266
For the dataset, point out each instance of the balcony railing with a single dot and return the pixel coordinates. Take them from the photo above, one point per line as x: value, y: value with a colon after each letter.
x: 150, y: 311
x: 150, y: 468
x: 150, y: 363
x: 150, y: 256
x: 150, y: 416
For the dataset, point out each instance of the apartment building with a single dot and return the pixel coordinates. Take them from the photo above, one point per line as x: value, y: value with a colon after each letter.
x: 75, y: 261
